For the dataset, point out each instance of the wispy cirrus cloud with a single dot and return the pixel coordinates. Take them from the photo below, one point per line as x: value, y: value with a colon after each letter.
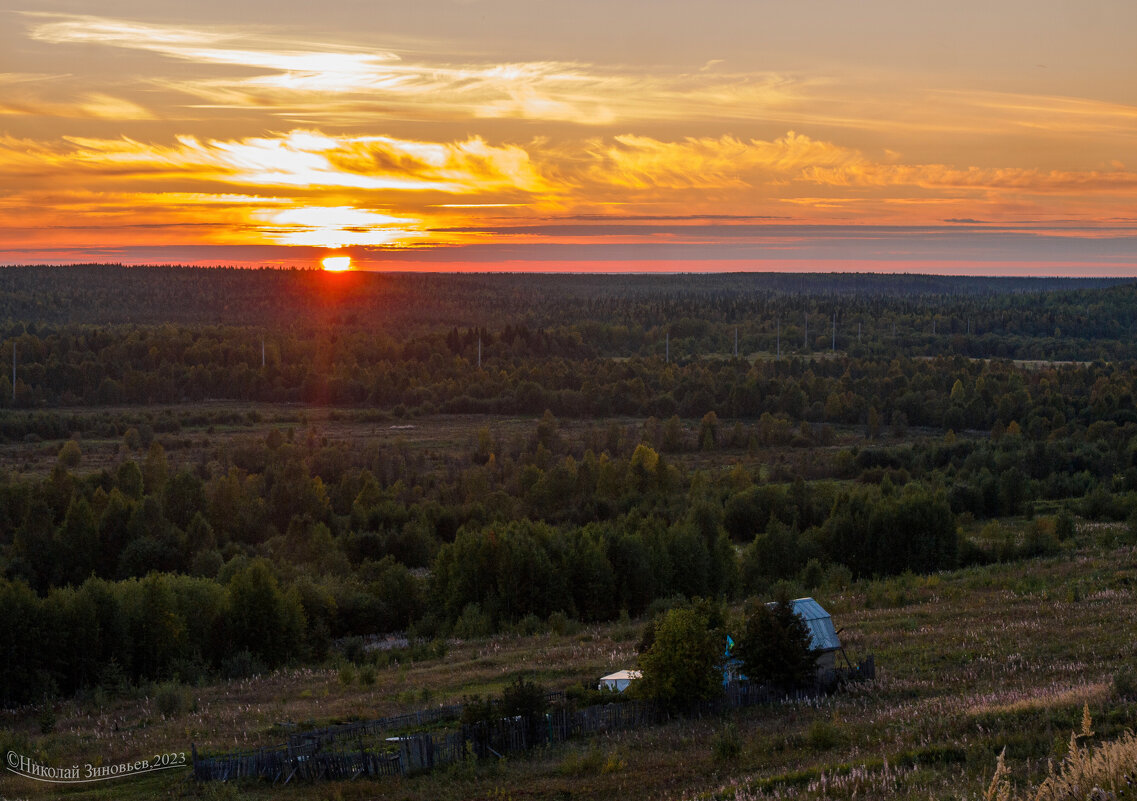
x: 326, y: 80
x: 344, y: 84
x: 641, y: 162
x: 940, y: 176
x: 783, y: 166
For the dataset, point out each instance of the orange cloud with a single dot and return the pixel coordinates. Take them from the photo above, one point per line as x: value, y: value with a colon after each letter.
x: 300, y: 159
x: 640, y: 162
x: 310, y: 188
x: 940, y: 176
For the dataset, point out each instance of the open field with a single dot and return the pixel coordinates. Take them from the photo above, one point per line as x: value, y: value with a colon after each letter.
x: 968, y: 662
x: 192, y: 434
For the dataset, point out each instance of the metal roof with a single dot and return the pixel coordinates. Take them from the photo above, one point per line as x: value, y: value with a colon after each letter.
x: 823, y: 636
x: 622, y: 675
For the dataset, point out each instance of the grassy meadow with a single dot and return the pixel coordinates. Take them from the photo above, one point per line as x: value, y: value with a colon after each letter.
x: 969, y: 662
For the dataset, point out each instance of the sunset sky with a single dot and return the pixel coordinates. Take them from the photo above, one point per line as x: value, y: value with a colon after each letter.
x: 994, y: 137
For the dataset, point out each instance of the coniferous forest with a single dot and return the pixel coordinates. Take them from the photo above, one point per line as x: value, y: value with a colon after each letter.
x: 207, y: 472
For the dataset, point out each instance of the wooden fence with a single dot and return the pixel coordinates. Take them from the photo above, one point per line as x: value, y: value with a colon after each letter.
x: 330, y: 753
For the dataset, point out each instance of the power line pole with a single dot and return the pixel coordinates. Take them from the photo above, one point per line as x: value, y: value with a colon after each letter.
x: 479, y: 350
x: 833, y: 347
x: 736, y: 342
x: 779, y: 337
x: 805, y: 336
x: 13, y: 372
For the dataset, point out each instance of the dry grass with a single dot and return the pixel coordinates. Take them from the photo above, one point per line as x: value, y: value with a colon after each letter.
x: 1104, y: 773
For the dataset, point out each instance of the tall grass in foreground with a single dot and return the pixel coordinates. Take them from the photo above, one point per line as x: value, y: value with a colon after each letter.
x: 1085, y: 774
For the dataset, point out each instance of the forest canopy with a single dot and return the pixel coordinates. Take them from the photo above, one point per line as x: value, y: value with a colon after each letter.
x: 601, y: 449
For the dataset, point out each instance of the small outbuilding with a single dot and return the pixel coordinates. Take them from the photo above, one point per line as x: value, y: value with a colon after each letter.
x: 824, y: 641
x: 618, y: 681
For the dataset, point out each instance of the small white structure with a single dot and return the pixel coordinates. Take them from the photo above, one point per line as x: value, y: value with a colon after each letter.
x: 619, y: 680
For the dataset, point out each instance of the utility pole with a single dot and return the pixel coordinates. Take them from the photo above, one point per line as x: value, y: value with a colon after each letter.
x: 805, y: 335
x: 13, y: 372
x: 667, y: 347
x: 479, y: 350
x: 779, y: 337
x: 262, y: 353
x: 833, y: 347
x: 858, y: 332
x: 736, y: 342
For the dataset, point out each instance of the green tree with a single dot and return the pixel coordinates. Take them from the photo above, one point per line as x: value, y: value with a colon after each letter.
x: 70, y: 455
x: 709, y: 431
x: 79, y: 542
x: 128, y: 479
x: 775, y: 646
x: 183, y: 497
x: 22, y: 634
x: 683, y: 663
x: 673, y: 434
x: 155, y: 469
x: 261, y: 618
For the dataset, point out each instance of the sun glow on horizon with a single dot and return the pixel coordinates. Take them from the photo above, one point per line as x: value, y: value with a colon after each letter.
x: 416, y: 136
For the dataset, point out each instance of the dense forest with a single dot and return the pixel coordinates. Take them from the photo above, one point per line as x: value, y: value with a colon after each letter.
x: 863, y: 426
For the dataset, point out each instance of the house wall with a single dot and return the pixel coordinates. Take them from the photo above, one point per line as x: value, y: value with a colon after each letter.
x: 619, y: 685
x: 826, y: 661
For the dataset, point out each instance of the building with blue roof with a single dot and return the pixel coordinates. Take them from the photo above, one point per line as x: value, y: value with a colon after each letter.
x: 824, y: 641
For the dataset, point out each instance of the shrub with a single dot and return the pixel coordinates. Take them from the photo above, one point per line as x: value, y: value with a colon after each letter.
x: 473, y: 623
x: 241, y: 665
x: 726, y: 744
x: 170, y: 699
x: 476, y: 709
x: 45, y: 717
x: 614, y: 763
x: 823, y: 735
x: 529, y: 625
x: 112, y: 679
x: 591, y: 762
x: 560, y: 623
x: 525, y: 699
x: 1064, y: 527
x: 1125, y: 684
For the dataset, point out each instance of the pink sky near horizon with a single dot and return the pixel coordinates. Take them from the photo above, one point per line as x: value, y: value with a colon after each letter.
x: 979, y: 139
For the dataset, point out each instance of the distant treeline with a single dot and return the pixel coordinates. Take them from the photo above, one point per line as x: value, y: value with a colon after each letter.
x: 620, y: 315
x: 526, y: 372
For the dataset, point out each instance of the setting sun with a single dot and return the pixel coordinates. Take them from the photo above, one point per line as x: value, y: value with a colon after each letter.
x: 336, y: 264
